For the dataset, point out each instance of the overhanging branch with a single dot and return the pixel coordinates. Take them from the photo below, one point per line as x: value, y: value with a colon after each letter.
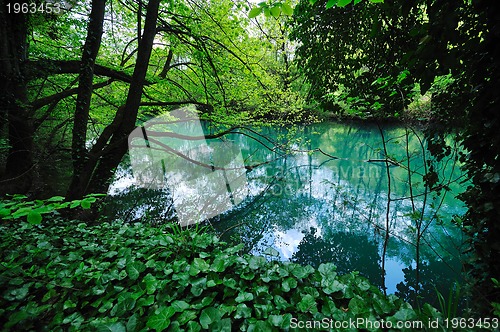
x: 46, y: 67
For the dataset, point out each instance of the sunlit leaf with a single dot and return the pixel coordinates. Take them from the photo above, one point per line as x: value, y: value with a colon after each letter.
x: 254, y: 12
x: 276, y: 11
x: 343, y: 3
x: 287, y: 9
x: 331, y: 3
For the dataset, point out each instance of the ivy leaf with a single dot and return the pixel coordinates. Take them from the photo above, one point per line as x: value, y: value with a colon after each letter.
x: 331, y: 3
x: 180, y: 306
x: 134, y: 269
x: 161, y: 319
x: 34, y: 218
x: 243, y: 297
x: 343, y: 3
x: 208, y: 316
x: 85, y: 204
x: 111, y: 327
x: 254, y: 12
x: 133, y: 322
x: 307, y: 304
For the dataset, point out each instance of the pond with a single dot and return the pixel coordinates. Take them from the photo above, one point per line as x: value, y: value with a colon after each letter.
x: 331, y: 193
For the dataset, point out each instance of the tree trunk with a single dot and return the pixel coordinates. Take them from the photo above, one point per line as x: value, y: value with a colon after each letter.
x: 99, y: 169
x: 89, y: 55
x: 14, y: 107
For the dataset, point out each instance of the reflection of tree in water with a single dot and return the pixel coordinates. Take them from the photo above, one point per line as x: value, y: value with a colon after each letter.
x: 434, y: 275
x: 140, y: 203
x: 348, y: 251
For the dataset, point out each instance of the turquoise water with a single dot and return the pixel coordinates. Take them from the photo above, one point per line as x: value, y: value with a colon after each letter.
x: 322, y: 196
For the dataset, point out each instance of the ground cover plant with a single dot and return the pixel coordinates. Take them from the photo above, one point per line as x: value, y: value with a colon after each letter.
x: 115, y: 276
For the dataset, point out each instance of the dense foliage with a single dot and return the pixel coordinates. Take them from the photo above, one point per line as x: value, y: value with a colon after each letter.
x: 356, y: 53
x: 67, y: 275
x: 377, y: 60
x: 76, y: 83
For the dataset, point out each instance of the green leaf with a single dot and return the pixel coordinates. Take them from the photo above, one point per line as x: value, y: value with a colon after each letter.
x: 343, y: 3
x: 255, y: 12
x: 376, y: 1
x: 112, y: 327
x: 287, y: 9
x: 307, y: 304
x: 198, y: 265
x: 193, y: 326
x: 243, y: 297
x: 209, y: 316
x: 134, y: 269
x: 243, y: 311
x: 34, y: 218
x: 161, y: 319
x: 331, y: 3
x: 133, y: 323
x: 85, y: 204
x: 312, y: 2
x: 276, y: 11
x: 56, y: 199
x: 180, y: 306
x: 288, y: 283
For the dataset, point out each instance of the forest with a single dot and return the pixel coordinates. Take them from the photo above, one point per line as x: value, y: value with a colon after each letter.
x: 223, y: 165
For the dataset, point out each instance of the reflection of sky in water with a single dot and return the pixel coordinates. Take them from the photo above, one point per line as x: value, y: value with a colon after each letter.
x: 345, y: 196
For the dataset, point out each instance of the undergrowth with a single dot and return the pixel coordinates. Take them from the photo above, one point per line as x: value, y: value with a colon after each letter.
x: 68, y: 276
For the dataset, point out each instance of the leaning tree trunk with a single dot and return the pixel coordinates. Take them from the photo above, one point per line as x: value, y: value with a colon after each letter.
x: 90, y: 50
x: 101, y: 164
x: 14, y: 107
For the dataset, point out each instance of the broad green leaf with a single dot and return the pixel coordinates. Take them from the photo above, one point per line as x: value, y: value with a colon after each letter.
x: 161, y: 319
x: 276, y: 11
x: 307, y: 304
x: 244, y: 297
x: 134, y: 269
x: 209, y: 316
x: 287, y: 9
x: 288, y: 284
x: 180, y: 306
x: 331, y: 3
x: 133, y: 323
x: 312, y: 2
x: 187, y: 316
x: 112, y: 327
x: 56, y: 199
x: 34, y: 218
x: 255, y: 262
x: 223, y: 325
x: 243, y: 311
x: 85, y: 204
x: 193, y: 326
x: 343, y: 3
x: 255, y: 12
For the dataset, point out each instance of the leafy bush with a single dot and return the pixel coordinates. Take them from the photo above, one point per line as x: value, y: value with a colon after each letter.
x: 66, y: 275
x: 18, y: 207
